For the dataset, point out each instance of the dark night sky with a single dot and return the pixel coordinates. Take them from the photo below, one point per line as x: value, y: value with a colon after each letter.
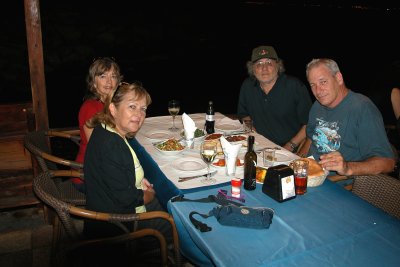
x: 190, y: 51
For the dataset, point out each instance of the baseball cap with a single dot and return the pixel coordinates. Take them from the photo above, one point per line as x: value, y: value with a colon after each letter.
x: 263, y: 52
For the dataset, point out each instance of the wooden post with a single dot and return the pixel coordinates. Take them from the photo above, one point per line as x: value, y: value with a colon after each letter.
x: 36, y: 63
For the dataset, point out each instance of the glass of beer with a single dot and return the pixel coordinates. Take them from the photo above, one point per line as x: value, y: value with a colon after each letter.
x: 300, y: 169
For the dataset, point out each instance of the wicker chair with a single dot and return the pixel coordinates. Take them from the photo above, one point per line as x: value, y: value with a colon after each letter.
x: 380, y: 190
x: 37, y: 144
x: 67, y: 235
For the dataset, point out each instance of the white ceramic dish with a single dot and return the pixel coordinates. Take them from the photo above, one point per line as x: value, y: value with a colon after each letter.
x: 197, y: 139
x: 224, y: 127
x: 158, y: 135
x: 189, y: 164
x: 169, y: 152
x: 283, y: 157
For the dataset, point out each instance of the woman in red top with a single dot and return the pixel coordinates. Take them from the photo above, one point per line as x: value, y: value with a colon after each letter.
x: 103, y: 78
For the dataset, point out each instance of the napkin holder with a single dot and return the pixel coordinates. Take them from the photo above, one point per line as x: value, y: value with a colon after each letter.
x: 279, y: 183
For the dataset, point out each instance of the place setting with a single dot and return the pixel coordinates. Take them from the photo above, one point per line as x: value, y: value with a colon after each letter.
x: 229, y: 126
x: 157, y: 135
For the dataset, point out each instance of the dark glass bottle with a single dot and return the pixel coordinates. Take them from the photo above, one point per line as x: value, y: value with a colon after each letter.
x: 250, y: 162
x: 210, y: 120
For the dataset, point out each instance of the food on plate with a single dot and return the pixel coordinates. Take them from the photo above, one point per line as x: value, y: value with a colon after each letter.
x: 221, y: 163
x: 197, y: 133
x: 235, y: 138
x: 170, y: 145
x: 314, y: 169
x: 260, y: 174
x: 213, y: 136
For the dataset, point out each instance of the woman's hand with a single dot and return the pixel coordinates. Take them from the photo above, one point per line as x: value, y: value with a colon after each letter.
x: 148, y: 195
x: 146, y: 184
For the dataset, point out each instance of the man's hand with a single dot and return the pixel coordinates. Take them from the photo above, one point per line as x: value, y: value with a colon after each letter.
x: 334, y: 161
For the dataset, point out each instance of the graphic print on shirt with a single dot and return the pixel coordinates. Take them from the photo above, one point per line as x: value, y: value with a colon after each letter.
x: 326, y: 136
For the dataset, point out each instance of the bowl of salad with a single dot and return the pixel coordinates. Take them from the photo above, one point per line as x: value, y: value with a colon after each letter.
x: 199, y: 135
x: 170, y: 147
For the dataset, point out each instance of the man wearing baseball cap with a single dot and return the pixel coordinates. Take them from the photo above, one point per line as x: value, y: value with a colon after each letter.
x: 278, y: 104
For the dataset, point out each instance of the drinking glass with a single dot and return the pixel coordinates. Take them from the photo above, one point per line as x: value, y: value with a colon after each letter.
x: 208, y: 151
x: 173, y: 109
x: 300, y: 169
x: 248, y: 125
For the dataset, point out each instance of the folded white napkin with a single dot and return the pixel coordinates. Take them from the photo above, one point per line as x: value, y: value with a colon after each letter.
x: 231, y: 152
x: 189, y: 126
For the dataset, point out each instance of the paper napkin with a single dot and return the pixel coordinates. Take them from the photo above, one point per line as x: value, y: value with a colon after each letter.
x: 189, y: 126
x: 231, y: 152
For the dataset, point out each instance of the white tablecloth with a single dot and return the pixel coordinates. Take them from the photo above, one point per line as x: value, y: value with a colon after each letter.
x: 162, y: 123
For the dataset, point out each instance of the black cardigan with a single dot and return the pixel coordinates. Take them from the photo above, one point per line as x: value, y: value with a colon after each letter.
x: 109, y: 176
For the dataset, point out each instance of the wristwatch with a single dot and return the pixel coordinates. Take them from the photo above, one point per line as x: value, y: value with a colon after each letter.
x: 292, y: 145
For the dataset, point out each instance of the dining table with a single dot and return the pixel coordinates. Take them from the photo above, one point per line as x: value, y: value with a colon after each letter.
x: 327, y: 226
x: 155, y: 129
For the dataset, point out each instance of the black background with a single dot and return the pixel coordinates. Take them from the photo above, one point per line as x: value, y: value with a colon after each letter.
x: 193, y: 51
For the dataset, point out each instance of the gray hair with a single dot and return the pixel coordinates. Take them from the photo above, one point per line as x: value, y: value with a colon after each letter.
x: 329, y: 63
x: 279, y: 62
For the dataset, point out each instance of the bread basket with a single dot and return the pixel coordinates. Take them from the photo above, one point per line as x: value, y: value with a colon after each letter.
x: 318, y: 180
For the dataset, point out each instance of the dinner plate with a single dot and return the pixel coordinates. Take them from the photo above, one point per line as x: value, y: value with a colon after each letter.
x: 225, y: 127
x: 282, y: 156
x: 158, y: 135
x: 189, y: 164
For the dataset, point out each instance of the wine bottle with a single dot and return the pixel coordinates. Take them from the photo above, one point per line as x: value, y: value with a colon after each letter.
x: 250, y: 162
x: 210, y: 120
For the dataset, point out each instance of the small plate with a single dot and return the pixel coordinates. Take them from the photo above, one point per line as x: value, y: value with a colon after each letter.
x: 281, y: 156
x: 189, y: 164
x: 224, y: 127
x: 158, y: 135
x: 197, y: 139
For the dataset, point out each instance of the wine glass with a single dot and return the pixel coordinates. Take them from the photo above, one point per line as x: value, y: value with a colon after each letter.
x: 208, y: 151
x: 173, y: 109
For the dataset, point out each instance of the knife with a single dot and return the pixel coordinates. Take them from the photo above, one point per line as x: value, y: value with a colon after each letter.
x: 184, y: 179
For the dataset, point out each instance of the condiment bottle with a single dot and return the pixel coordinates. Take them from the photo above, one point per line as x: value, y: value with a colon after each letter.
x: 236, y: 184
x: 210, y: 120
x: 250, y: 163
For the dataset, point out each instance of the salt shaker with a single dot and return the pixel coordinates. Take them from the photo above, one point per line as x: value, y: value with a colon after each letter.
x: 236, y: 184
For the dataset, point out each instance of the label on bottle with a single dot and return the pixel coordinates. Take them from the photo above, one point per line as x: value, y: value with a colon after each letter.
x: 250, y: 162
x: 209, y: 117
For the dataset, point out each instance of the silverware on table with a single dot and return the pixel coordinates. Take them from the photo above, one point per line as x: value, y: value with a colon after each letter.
x: 184, y: 179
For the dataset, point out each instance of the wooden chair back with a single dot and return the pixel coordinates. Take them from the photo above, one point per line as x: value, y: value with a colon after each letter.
x: 67, y: 232
x: 37, y: 142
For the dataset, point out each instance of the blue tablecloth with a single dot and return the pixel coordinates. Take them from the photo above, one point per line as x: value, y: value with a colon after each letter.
x: 328, y: 226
